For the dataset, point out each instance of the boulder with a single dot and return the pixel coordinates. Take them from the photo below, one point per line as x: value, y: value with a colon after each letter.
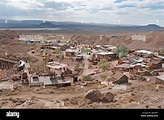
x: 95, y: 96
x: 109, y: 97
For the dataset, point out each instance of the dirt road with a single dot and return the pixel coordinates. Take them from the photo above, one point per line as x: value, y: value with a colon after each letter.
x: 35, y: 56
x: 86, y: 71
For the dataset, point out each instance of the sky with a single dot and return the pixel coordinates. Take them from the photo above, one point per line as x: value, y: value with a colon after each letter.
x: 133, y: 12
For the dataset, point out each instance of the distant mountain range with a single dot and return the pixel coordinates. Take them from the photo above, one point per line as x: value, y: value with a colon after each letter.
x: 76, y: 26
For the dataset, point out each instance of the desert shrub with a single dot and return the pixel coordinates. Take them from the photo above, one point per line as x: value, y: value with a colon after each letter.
x: 103, y: 76
x: 162, y: 51
x: 87, y: 78
x: 121, y: 51
x: 39, y: 67
x: 78, y: 69
x: 85, y: 50
x: 57, y: 50
x: 103, y: 64
x: 11, y: 93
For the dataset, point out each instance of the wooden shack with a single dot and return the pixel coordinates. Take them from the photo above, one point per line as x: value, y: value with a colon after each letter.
x: 106, y: 55
x: 120, y: 78
x: 155, y: 64
x: 71, y: 52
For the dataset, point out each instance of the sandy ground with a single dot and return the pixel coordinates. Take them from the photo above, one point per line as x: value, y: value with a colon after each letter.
x: 140, y: 94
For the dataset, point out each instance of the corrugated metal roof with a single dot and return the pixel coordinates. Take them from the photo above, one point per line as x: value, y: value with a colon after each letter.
x: 71, y: 50
x: 56, y: 65
x: 159, y: 56
x: 47, y: 80
x: 144, y: 51
x: 105, y: 53
x: 161, y: 77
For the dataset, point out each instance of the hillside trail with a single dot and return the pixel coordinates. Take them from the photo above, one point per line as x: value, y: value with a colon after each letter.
x: 87, y: 70
x: 51, y: 96
x: 35, y: 56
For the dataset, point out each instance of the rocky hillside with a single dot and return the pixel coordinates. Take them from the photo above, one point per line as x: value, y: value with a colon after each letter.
x: 153, y: 40
x: 10, y: 44
x: 8, y: 34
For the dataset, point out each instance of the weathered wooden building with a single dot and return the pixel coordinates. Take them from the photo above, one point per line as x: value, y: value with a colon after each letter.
x: 120, y: 78
x: 106, y: 55
x: 71, y: 52
x: 155, y: 64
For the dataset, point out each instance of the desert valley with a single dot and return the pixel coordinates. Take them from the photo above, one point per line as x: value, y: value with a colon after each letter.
x: 79, y: 69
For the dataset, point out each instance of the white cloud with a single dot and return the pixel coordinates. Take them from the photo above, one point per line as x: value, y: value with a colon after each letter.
x: 105, y: 11
x: 24, y: 4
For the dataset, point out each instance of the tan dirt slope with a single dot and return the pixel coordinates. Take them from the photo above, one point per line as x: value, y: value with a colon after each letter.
x: 153, y: 40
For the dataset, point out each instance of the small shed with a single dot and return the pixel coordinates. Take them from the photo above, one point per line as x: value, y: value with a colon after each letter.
x: 49, y: 81
x: 106, y: 55
x: 35, y: 41
x: 54, y: 47
x: 120, y: 61
x: 45, y: 46
x: 155, y: 64
x: 56, y: 65
x: 144, y: 52
x: 71, y: 52
x: 159, y: 79
x: 79, y: 57
x: 120, y: 78
x: 125, y: 67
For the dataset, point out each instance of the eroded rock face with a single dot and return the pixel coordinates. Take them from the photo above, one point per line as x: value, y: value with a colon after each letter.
x: 95, y: 96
